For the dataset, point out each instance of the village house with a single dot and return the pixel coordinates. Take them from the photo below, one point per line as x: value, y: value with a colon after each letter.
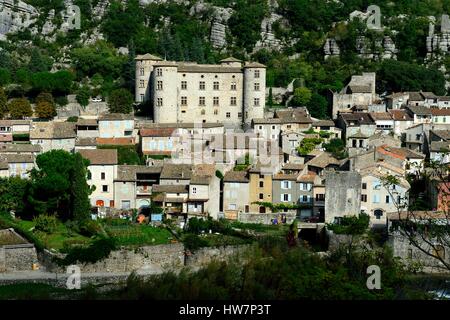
x: 87, y: 128
x: 236, y: 194
x: 323, y: 162
x: 420, y: 114
x: 20, y: 148
x: 102, y: 171
x: 85, y: 144
x: 172, y: 198
x: 53, y: 135
x: 357, y: 128
x: 396, y: 101
x: 260, y: 183
x: 402, y: 121
x: 383, y: 121
x: 158, y: 141
x: 439, y: 146
x: 329, y: 127
x: 133, y: 186
x: 16, y: 165
x: 379, y: 198
x: 116, y: 126
x: 360, y: 91
x: 440, y: 116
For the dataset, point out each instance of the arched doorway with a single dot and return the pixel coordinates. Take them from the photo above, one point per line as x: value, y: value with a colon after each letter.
x: 378, y: 214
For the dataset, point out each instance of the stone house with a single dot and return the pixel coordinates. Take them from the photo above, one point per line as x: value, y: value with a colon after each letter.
x: 327, y: 126
x: 20, y: 148
x: 158, y: 141
x: 236, y: 194
x: 443, y: 102
x: 53, y: 135
x: 420, y: 114
x: 267, y: 128
x: 440, y: 116
x: 414, y: 137
x: 116, y: 125
x: 87, y: 128
x: 85, y: 144
x: 16, y: 165
x: 357, y: 128
x: 102, y: 171
x: 439, y: 146
x: 409, y: 161
x: 402, y: 121
x: 360, y: 91
x: 172, y: 198
x: 377, y: 199
x: 322, y: 163
x: 13, y: 127
x: 396, y: 101
x: 133, y: 186
x: 260, y: 184
x: 383, y: 121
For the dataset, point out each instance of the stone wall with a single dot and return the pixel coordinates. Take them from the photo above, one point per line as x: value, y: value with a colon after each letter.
x: 19, y: 257
x: 265, y: 218
x: 203, y: 256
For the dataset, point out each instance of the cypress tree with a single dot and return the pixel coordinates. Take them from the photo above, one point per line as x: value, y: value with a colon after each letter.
x: 80, y: 191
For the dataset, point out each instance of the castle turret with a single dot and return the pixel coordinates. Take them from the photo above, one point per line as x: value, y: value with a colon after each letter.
x: 165, y: 92
x: 254, y: 92
x: 144, y: 69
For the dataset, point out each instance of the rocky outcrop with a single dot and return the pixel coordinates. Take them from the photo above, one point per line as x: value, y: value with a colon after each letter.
x: 331, y: 48
x: 15, y: 15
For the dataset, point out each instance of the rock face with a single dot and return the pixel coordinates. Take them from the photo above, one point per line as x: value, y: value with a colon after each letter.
x: 15, y: 15
x: 331, y: 48
x: 438, y: 43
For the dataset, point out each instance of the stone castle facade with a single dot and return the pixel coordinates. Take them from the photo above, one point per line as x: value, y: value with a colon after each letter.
x: 231, y: 92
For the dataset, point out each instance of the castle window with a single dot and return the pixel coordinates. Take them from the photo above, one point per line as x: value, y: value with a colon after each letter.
x: 216, y: 112
x: 159, y: 102
x: 183, y: 85
x: 233, y: 101
x: 201, y: 101
x: 159, y: 85
x: 239, y: 114
x: 142, y: 97
x: 216, y: 101
x: 228, y: 115
x: 257, y: 86
x: 256, y: 74
x: 216, y: 85
x: 184, y: 101
x: 142, y: 71
x: 159, y: 72
x: 256, y: 102
x: 141, y: 84
x: 233, y: 86
x: 202, y: 85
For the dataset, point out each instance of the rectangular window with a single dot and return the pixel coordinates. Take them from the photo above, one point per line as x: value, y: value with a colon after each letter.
x: 257, y: 87
x: 233, y: 101
x: 201, y: 101
x: 364, y: 197
x: 364, y: 186
x: 216, y: 112
x: 183, y: 85
x: 194, y: 190
x: 216, y: 85
x: 228, y: 115
x: 142, y: 71
x: 261, y: 196
x: 233, y: 86
x: 354, y: 143
x: 388, y: 199
x: 256, y: 102
x: 126, y: 204
x: 286, y: 184
x: 159, y: 85
x: 159, y: 72
x: 103, y: 176
x: 256, y: 74
x: 216, y: 101
x: 159, y: 102
x: 184, y: 101
x: 142, y: 97
x: 304, y: 199
x: 239, y: 114
x: 202, y: 85
x: 376, y: 198
x: 141, y: 84
x: 261, y: 184
x: 105, y: 188
x: 285, y: 197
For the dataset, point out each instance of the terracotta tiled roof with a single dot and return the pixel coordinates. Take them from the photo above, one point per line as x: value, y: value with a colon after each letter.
x: 282, y: 176
x: 399, y: 153
x: 440, y: 112
x: 400, y: 115
x: 381, y: 116
x: 157, y: 132
x: 20, y: 148
x: 115, y: 117
x: 6, y: 137
x: 236, y: 176
x: 115, y: 141
x: 100, y: 156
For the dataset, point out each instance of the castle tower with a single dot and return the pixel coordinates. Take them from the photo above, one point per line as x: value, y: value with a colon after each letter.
x: 254, y: 92
x: 144, y: 69
x: 165, y: 92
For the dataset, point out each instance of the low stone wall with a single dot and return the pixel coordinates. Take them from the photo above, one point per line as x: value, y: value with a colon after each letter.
x: 203, y: 256
x: 265, y: 218
x: 156, y: 259
x: 19, y: 257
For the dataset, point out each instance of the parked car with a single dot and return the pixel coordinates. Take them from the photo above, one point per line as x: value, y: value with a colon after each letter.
x: 97, y: 99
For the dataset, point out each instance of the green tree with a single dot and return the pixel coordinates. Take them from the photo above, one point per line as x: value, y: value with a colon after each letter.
x: 13, y: 194
x: 39, y: 62
x: 80, y: 190
x: 318, y: 106
x: 83, y: 95
x: 19, y: 108
x: 337, y: 148
x: 5, y: 77
x: 120, y: 101
x: 3, y: 103
x: 302, y: 96
x: 45, y: 110
x: 45, y: 97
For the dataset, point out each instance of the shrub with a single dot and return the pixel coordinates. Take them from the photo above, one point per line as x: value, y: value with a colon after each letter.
x: 98, y: 250
x: 46, y: 223
x: 193, y: 242
x: 91, y: 228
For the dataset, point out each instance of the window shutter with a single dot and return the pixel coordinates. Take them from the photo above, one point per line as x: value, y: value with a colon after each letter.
x: 289, y: 196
